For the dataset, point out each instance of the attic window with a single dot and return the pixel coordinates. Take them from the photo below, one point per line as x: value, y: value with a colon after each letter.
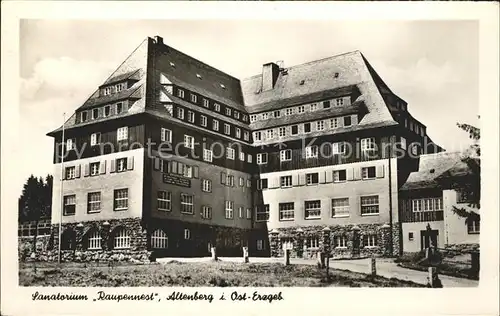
x: 302, y: 82
x: 222, y: 86
x: 336, y: 75
x: 172, y: 64
x: 432, y: 170
x: 198, y: 76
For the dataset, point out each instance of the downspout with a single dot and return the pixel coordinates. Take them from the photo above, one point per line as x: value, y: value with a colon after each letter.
x: 391, y: 246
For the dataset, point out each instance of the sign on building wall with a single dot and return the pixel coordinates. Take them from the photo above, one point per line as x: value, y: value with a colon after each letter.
x: 176, y: 180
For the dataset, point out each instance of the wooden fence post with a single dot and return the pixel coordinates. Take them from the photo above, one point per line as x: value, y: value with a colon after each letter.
x: 245, y: 254
x: 214, y: 253
x: 287, y: 257
x: 373, y: 266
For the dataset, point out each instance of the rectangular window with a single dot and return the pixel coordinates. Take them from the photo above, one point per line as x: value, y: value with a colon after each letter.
x: 217, y: 107
x: 249, y: 213
x: 286, y: 155
x: 427, y: 204
x: 261, y: 184
x: 207, y: 155
x: 203, y: 120
x: 289, y: 111
x: 120, y: 199
x: 282, y: 131
x: 347, y: 121
x: 369, y: 205
x: 194, y: 98
x: 206, y: 212
x: 188, y: 171
x: 206, y: 185
x: 312, y: 243
x: 164, y: 201
x: 270, y: 134
x: 312, y: 178
x: 242, y: 156
x: 340, y: 207
x: 206, y: 103
x: 191, y: 117
x: 277, y: 113
x: 286, y: 181
x: 187, y: 203
x: 107, y: 110
x: 265, y: 116
x: 83, y: 116
x: 249, y: 183
x: 370, y: 240
x: 262, y: 213
x: 119, y: 107
x: 340, y: 241
x: 262, y: 159
x: 94, y: 168
x: 326, y: 104
x: 312, y: 209
x: 95, y: 139
x: 295, y: 129
x: 334, y: 122
x: 257, y: 136
x: 228, y: 111
x: 121, y: 164
x: 229, y: 208
x: 180, y: 113
x: 189, y: 141
x: 312, y: 152
x: 237, y: 132
x: 314, y: 107
x: 107, y: 91
x: 339, y: 148
x: 253, y: 118
x: 166, y: 135
x: 70, y: 144
x: 187, y: 234
x: 473, y: 226
x: 227, y: 129
x: 300, y: 109
x: 260, y: 244
x: 307, y: 127
x: 368, y: 173
x: 230, y: 153
x: 70, y: 173
x: 339, y: 176
x: 241, y: 212
x: 230, y: 181
x: 464, y: 196
x: 368, y: 144
x: 122, y: 133
x: 69, y: 205
x: 339, y: 102
x: 242, y: 182
x: 403, y: 143
x: 215, y: 125
x: 246, y: 136
x: 180, y: 93
x: 286, y: 211
x: 95, y: 114
x: 320, y: 125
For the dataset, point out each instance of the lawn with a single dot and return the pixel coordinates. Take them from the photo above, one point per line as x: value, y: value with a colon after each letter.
x: 196, y: 274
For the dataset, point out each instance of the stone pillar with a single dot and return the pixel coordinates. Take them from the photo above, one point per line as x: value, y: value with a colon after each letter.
x: 326, y: 246
x: 373, y: 266
x: 79, y: 237
x: 299, y: 243
x: 386, y: 240
x: 287, y: 257
x: 320, y: 259
x: 245, y: 254
x: 105, y: 236
x: 213, y: 250
x: 433, y: 278
x: 274, y: 243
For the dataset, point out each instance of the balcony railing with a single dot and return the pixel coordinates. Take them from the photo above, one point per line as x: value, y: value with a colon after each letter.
x: 424, y: 216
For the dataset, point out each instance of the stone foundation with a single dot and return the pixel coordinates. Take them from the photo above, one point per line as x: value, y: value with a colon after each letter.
x: 458, y: 249
x: 324, y: 240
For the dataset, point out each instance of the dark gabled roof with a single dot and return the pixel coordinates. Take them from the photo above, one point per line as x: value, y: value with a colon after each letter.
x: 333, y: 111
x: 304, y: 98
x: 184, y: 73
x: 430, y: 168
x: 132, y: 75
x: 130, y: 93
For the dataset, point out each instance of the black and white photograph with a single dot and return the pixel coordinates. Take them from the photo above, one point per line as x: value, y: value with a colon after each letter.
x: 250, y: 155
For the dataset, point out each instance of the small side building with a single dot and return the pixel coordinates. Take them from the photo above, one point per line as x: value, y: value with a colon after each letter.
x: 427, y: 201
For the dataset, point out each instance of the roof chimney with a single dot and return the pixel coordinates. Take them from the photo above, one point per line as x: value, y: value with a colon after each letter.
x: 270, y: 72
x: 159, y: 40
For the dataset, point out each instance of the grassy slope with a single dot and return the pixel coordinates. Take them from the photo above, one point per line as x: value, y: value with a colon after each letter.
x: 196, y: 274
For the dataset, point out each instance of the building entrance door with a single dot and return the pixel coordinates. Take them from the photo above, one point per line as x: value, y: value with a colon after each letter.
x: 428, y: 238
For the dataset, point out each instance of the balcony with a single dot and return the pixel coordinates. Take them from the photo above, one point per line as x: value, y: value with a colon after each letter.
x: 424, y: 216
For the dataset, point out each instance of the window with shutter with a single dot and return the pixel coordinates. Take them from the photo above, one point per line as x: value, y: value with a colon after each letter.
x: 223, y: 178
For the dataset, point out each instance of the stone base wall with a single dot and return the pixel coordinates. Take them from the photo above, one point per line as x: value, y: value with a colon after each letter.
x: 457, y: 249
x: 324, y: 239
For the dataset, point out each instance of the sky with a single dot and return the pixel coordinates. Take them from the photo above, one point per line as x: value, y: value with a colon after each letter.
x: 433, y: 65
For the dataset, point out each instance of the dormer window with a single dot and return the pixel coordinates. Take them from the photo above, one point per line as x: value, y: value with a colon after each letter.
x: 340, y: 102
x: 120, y: 87
x: 236, y: 114
x: 198, y: 76
x: 180, y: 93
x: 83, y: 116
x: 222, y: 86
x: 217, y: 107
x: 228, y: 111
x: 336, y: 75
x: 277, y: 113
x: 194, y: 98
x: 106, y: 91
x: 119, y: 108
x: 326, y: 104
x: 172, y: 64
x: 95, y: 113
x: 314, y: 107
x: 107, y: 110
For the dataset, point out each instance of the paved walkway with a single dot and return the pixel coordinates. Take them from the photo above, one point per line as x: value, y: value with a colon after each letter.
x: 385, y: 267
